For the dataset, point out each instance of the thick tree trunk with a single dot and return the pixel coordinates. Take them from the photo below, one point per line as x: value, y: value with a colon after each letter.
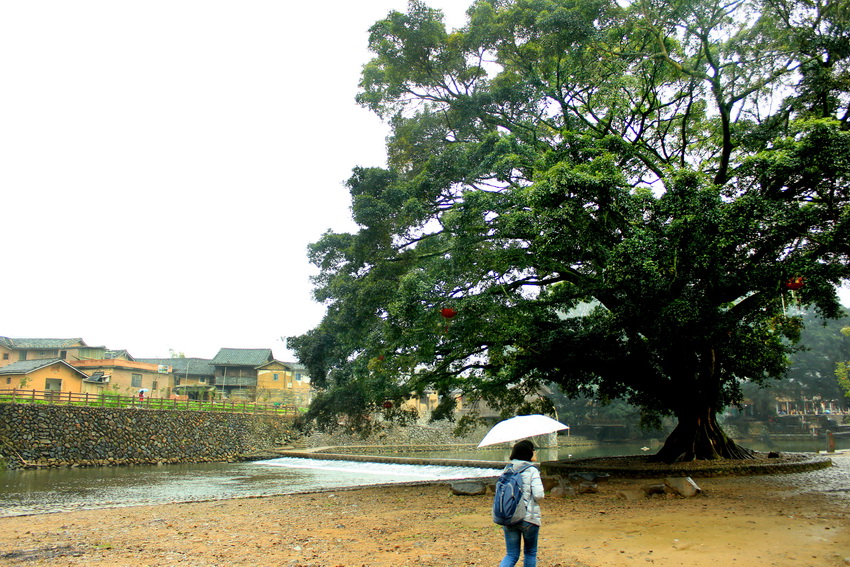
x: 698, y: 436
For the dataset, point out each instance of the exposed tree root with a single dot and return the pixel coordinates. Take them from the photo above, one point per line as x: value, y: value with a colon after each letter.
x: 700, y: 437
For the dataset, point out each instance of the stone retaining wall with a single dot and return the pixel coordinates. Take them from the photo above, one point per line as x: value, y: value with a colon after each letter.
x: 44, y: 436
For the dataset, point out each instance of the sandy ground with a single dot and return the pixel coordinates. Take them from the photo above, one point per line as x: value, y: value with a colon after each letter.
x: 784, y: 520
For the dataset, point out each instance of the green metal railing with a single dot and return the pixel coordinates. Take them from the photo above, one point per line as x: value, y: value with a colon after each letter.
x: 19, y: 396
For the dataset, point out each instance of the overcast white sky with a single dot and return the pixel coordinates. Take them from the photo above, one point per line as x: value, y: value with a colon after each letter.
x: 164, y: 165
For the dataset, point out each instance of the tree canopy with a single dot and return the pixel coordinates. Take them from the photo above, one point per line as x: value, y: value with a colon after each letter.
x: 623, y: 199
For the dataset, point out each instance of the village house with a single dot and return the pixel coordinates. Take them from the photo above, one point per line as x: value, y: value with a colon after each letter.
x: 13, y: 350
x: 51, y: 375
x: 301, y: 383
x: 125, y: 377
x: 283, y: 382
x: 193, y: 378
x: 236, y: 370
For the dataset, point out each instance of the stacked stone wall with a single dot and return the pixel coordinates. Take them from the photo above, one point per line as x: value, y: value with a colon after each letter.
x: 43, y: 436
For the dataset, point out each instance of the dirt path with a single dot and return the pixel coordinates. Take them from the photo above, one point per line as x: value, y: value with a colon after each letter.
x: 774, y: 521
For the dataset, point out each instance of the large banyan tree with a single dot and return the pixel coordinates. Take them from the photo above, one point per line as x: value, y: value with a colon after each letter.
x: 624, y: 199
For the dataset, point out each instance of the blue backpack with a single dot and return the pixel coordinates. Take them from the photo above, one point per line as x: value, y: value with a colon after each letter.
x: 509, y: 505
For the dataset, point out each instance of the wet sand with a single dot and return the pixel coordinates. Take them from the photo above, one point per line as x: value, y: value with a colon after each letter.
x: 782, y: 520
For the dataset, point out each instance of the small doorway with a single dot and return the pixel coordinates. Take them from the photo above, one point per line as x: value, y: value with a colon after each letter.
x: 52, y: 386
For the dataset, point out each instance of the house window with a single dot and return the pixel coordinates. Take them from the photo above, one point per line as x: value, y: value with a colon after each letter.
x: 9, y: 380
x: 136, y: 381
x: 202, y: 380
x: 5, y: 356
x: 53, y: 384
x: 22, y: 355
x: 298, y: 376
x: 63, y: 354
x: 276, y: 375
x: 154, y: 385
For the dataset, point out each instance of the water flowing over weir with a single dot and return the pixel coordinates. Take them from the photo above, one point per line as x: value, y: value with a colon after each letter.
x: 382, y: 472
x: 56, y: 490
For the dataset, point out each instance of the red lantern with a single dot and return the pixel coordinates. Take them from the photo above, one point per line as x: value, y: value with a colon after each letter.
x: 388, y: 404
x: 795, y: 283
x: 448, y: 312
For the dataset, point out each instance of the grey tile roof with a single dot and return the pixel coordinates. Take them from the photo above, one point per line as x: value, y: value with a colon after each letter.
x: 43, y: 343
x: 242, y: 357
x: 112, y: 354
x: 183, y: 366
x: 27, y: 366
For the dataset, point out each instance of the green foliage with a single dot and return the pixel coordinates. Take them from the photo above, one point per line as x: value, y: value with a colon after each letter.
x: 842, y: 369
x: 841, y: 374
x: 611, y: 197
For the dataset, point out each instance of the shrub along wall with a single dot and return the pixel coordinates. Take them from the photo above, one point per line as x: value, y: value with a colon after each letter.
x: 43, y: 436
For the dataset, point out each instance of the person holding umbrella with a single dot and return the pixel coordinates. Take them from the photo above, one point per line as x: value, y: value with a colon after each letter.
x: 523, y: 535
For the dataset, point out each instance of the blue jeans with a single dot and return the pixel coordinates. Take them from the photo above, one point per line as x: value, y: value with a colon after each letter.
x: 526, y: 533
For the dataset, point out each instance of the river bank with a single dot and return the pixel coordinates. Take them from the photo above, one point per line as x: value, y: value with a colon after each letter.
x: 782, y: 520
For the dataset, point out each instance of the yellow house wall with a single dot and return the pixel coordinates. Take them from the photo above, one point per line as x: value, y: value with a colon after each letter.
x: 193, y: 380
x: 7, y: 356
x: 423, y: 404
x: 286, y: 389
x: 37, y: 380
x: 94, y: 388
x: 265, y: 379
x: 85, y: 353
x: 71, y: 353
x: 121, y: 380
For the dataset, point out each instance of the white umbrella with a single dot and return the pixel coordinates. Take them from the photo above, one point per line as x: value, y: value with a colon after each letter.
x: 520, y: 427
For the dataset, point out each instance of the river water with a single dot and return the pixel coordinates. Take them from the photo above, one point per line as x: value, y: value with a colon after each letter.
x: 55, y: 490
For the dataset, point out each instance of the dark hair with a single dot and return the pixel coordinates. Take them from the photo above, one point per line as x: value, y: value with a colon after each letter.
x: 523, y: 451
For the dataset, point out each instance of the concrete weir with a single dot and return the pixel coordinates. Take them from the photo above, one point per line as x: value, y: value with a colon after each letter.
x: 636, y: 466
x: 327, y: 453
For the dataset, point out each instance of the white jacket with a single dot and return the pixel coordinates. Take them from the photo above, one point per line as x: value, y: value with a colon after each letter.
x: 532, y: 490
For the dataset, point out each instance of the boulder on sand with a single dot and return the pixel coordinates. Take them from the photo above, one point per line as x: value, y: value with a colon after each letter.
x: 468, y: 488
x: 682, y: 486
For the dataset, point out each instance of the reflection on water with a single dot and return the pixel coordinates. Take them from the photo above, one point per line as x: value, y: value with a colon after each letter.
x: 52, y: 490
